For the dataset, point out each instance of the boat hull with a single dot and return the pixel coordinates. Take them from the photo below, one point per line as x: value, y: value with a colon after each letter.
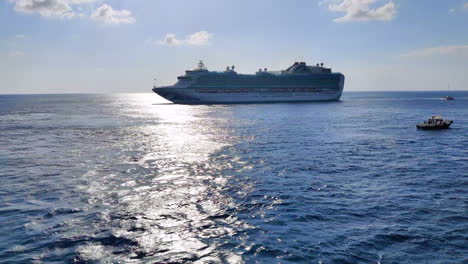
x: 433, y: 127
x: 189, y: 96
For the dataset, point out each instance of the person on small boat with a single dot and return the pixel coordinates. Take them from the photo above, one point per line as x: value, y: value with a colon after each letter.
x: 435, y: 122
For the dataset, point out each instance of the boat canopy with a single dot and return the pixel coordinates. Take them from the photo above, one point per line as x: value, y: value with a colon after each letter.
x: 298, y: 67
x: 436, y: 117
x: 302, y: 67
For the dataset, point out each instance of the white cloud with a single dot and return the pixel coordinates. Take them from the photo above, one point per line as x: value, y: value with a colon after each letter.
x: 79, y: 2
x: 73, y: 8
x: 107, y: 15
x: 465, y: 5
x: 455, y: 50
x: 170, y: 40
x: 47, y: 8
x: 360, y: 10
x: 201, y: 38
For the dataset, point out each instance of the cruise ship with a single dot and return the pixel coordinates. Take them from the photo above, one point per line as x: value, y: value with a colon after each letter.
x: 298, y: 83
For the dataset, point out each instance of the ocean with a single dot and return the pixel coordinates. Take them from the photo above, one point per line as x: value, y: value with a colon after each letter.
x: 130, y: 178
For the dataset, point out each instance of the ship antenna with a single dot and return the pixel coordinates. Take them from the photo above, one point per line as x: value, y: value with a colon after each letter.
x: 201, y: 66
x: 154, y: 83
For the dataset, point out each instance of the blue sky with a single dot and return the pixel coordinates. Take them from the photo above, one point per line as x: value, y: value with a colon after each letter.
x: 106, y: 46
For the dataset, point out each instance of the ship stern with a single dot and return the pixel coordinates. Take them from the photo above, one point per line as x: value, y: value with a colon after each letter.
x: 341, y: 86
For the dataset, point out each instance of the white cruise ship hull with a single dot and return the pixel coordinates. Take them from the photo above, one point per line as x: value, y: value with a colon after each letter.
x: 191, y: 96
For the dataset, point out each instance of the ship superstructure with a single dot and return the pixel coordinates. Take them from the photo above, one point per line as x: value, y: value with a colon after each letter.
x: 299, y: 82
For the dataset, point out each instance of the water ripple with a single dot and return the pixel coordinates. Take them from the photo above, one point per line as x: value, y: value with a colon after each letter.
x: 119, y: 179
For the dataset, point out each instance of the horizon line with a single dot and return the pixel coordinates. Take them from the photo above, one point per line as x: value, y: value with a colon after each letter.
x: 354, y: 91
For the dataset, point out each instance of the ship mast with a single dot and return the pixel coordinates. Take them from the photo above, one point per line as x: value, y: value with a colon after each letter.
x: 201, y: 66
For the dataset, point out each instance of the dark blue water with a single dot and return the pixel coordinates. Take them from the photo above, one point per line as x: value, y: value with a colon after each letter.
x: 130, y: 179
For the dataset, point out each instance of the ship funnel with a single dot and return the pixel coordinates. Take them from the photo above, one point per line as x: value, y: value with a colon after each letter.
x: 260, y: 70
x: 232, y: 67
x: 265, y: 69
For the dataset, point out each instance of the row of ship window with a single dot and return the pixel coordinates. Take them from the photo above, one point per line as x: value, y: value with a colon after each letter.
x: 263, y: 78
x: 330, y: 78
x: 268, y: 82
x: 268, y: 87
x: 256, y: 90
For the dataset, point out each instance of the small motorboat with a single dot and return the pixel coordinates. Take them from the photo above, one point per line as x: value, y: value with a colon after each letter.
x: 435, y: 122
x: 447, y: 98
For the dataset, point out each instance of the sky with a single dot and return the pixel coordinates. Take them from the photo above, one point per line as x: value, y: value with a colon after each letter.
x: 113, y: 46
